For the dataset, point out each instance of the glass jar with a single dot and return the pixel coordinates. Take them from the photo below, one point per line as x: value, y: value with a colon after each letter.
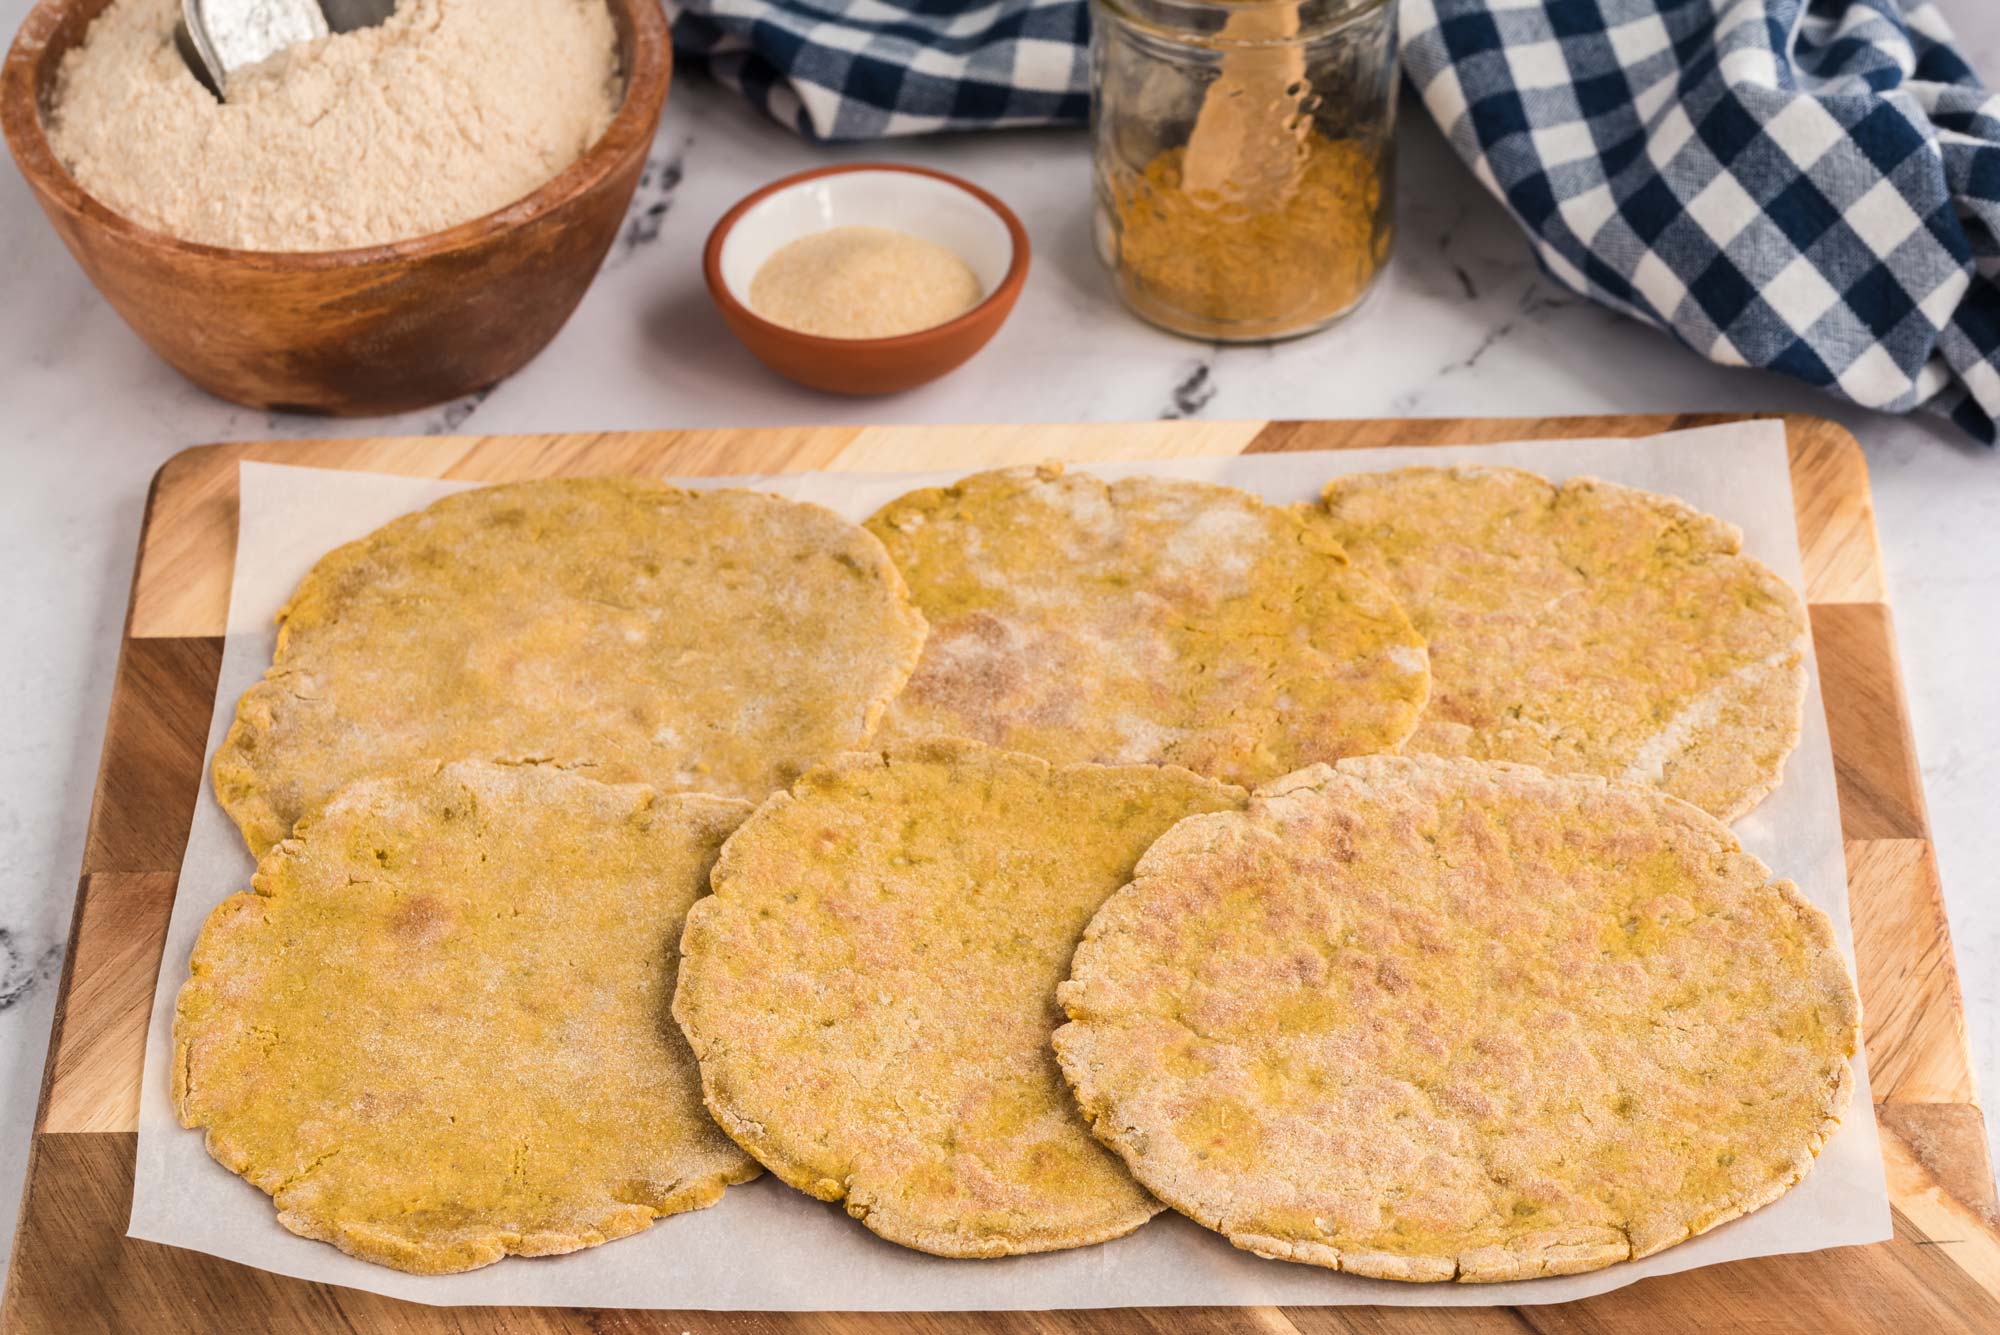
x: 1244, y: 159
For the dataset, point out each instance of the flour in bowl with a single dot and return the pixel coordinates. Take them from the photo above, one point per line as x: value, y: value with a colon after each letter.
x: 449, y: 110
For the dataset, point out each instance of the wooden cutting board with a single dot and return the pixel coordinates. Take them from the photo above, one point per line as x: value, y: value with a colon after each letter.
x: 74, y: 1270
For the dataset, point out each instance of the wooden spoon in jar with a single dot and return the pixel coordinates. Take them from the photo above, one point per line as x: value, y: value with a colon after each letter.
x: 1246, y: 136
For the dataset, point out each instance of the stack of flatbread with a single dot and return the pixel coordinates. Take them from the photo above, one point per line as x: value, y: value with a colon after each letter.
x: 1353, y: 878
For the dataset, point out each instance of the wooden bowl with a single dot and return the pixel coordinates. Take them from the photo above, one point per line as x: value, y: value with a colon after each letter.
x: 933, y: 205
x: 372, y: 330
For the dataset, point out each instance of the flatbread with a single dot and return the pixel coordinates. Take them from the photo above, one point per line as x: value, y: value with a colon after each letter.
x: 437, y: 1031
x: 871, y: 988
x: 1588, y: 628
x: 1150, y: 620
x: 717, y: 641
x: 1430, y: 1019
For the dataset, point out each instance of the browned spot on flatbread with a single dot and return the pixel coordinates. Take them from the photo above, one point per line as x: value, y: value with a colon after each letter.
x: 461, y: 1054
x: 871, y: 988
x: 1149, y: 620
x: 1526, y: 1025
x: 713, y: 641
x: 1588, y: 628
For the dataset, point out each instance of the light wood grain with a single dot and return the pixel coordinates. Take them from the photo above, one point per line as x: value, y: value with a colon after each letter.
x: 1915, y: 1015
x: 99, y: 1049
x: 142, y: 804
x: 1923, y: 1150
x: 1881, y: 788
x: 74, y: 1269
x: 897, y: 448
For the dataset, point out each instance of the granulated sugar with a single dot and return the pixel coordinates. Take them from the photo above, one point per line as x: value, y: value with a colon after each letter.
x: 863, y: 282
x: 449, y: 110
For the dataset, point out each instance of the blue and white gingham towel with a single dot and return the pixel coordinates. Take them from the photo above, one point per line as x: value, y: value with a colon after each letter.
x: 868, y: 69
x: 1808, y: 186
x: 1813, y: 188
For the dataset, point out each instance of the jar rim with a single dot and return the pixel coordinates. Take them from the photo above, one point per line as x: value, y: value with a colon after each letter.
x: 1202, y: 22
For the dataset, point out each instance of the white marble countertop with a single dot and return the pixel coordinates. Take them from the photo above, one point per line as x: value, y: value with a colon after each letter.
x: 1462, y: 326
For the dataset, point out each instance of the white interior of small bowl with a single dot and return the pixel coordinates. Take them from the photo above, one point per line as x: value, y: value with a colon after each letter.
x: 923, y: 206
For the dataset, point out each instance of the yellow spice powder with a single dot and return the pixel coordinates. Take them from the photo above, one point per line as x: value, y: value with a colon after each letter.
x: 1206, y: 263
x: 863, y: 282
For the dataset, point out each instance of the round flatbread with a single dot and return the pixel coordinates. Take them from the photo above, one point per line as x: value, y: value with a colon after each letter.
x: 1431, y: 1019
x: 1587, y: 628
x: 871, y: 988
x: 437, y: 1031
x: 717, y: 641
x: 1150, y: 620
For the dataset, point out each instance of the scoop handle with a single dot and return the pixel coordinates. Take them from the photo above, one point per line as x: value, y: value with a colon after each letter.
x: 219, y: 37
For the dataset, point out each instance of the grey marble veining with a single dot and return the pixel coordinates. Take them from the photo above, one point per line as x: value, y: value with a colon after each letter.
x: 1463, y: 324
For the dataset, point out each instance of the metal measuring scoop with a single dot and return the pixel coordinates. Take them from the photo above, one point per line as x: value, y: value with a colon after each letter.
x: 219, y: 37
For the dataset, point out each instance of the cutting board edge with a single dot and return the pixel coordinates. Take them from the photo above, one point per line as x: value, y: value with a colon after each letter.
x: 1840, y: 443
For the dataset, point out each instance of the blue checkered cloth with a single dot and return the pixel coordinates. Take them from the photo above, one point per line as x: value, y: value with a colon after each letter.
x: 1812, y: 188
x: 1808, y: 186
x: 868, y: 69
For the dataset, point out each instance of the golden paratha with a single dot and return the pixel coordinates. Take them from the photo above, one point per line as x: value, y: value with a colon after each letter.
x: 437, y: 1031
x: 1150, y: 620
x: 717, y: 641
x: 1431, y: 1019
x: 1588, y: 628
x: 871, y: 988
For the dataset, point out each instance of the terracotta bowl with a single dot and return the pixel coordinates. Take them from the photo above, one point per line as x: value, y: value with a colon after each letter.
x: 379, y: 329
x: 944, y: 209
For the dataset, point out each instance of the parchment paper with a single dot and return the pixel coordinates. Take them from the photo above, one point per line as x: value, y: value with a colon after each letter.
x: 765, y: 1246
